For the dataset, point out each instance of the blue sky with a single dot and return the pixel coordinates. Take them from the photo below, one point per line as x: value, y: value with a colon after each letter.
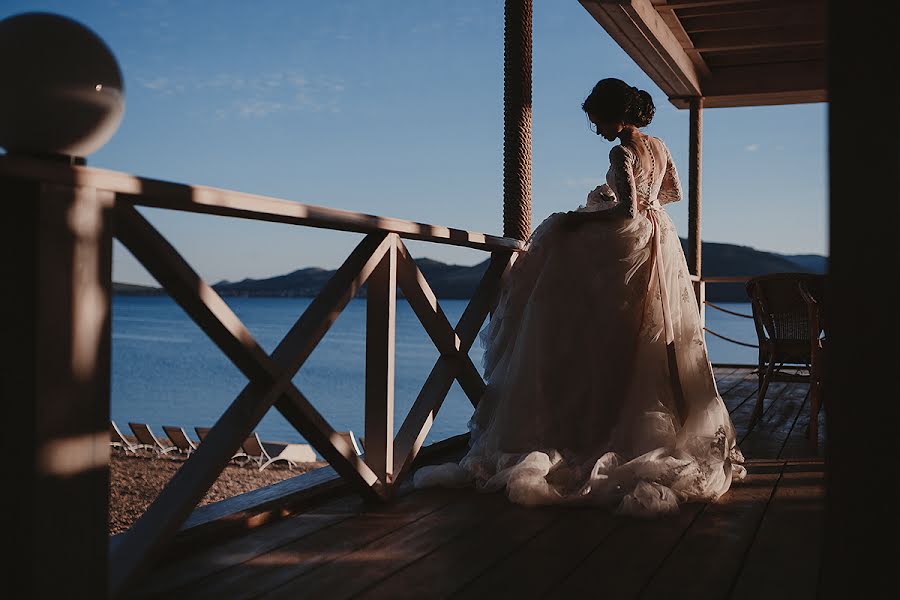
x: 395, y: 108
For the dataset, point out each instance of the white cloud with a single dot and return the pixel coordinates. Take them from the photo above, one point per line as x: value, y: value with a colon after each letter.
x: 751, y: 147
x: 259, y: 95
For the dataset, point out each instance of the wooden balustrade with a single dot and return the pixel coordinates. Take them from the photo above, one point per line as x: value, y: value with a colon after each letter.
x: 381, y: 259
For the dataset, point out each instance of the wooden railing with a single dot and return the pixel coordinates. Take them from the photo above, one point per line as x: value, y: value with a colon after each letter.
x: 92, y: 206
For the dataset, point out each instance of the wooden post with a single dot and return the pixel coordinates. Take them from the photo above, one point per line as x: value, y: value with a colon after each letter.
x: 861, y: 408
x: 695, y: 172
x: 381, y: 309
x: 517, y: 119
x: 56, y: 256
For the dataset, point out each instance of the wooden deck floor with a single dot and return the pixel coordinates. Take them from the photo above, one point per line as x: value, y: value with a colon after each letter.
x: 762, y: 539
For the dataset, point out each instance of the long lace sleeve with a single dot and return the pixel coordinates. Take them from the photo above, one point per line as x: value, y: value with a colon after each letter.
x: 621, y: 161
x: 670, y: 190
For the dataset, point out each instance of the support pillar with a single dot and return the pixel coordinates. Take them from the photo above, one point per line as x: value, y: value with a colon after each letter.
x: 55, y: 262
x: 517, y: 119
x: 695, y: 172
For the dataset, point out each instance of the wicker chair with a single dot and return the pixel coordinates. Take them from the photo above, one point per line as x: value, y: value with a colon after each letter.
x: 781, y: 316
x: 813, y: 293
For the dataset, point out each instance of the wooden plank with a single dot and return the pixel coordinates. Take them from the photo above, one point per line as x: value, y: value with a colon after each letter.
x: 798, y: 445
x: 756, y: 99
x: 674, y: 77
x: 759, y: 18
x: 741, y: 415
x: 187, y: 569
x: 763, y: 37
x: 425, y: 304
x: 447, y: 569
x: 262, y: 506
x: 720, y: 536
x: 422, y: 413
x: 733, y: 378
x: 206, y: 200
x: 785, y: 557
x: 381, y: 325
x: 772, y: 430
x: 737, y: 394
x: 270, y: 570
x: 620, y: 566
x: 162, y: 519
x: 56, y: 255
x: 355, y: 572
x: 704, y: 7
x: 772, y: 78
x: 765, y: 56
x: 532, y: 569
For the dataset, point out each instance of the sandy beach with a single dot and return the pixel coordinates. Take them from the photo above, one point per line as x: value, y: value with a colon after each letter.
x: 136, y: 481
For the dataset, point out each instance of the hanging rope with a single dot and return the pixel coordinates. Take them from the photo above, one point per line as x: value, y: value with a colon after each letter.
x: 728, y: 339
x: 725, y: 310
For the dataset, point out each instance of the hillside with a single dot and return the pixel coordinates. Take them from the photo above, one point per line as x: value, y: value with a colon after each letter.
x: 456, y: 281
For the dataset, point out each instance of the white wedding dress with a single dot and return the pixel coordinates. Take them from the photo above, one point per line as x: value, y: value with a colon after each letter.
x: 600, y: 389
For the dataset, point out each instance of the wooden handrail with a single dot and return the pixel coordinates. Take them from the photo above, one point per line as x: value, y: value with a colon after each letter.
x: 722, y: 278
x: 155, y: 193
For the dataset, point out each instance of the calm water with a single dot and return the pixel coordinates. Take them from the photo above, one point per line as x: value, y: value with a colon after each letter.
x: 165, y: 371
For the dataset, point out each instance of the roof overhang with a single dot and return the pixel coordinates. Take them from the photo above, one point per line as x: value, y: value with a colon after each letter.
x: 730, y: 52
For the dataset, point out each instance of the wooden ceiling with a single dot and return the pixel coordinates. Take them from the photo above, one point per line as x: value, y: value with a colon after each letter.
x: 731, y: 52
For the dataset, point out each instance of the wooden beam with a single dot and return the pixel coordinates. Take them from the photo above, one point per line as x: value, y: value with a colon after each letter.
x: 56, y: 259
x: 206, y: 200
x: 640, y: 30
x: 420, y: 418
x: 763, y: 99
x: 863, y: 55
x: 768, y: 79
x: 760, y: 18
x: 675, y: 26
x: 695, y: 173
x: 425, y: 304
x: 763, y: 37
x: 161, y: 520
x: 381, y: 324
x: 725, y: 5
x: 765, y: 56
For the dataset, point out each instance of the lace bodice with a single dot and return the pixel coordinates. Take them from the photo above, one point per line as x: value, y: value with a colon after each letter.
x: 642, y: 173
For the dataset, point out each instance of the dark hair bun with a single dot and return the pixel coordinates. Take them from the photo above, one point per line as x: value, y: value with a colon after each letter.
x: 614, y: 100
x: 641, y: 109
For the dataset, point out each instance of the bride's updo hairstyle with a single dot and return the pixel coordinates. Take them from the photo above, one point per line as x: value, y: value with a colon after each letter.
x: 613, y: 100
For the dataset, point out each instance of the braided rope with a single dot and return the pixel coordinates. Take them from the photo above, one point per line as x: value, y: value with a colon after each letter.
x: 517, y: 119
x: 725, y: 310
x: 728, y: 339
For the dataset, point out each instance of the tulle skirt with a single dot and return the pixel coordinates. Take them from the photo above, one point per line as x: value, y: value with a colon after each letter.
x: 580, y: 406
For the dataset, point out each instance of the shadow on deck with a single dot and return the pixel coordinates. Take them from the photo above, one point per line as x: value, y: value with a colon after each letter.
x: 762, y: 539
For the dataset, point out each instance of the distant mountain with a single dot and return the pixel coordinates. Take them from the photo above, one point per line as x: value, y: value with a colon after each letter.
x: 456, y: 281
x: 729, y: 259
x: 131, y: 289
x: 813, y: 263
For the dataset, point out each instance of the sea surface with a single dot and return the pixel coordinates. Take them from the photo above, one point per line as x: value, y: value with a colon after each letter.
x: 165, y: 371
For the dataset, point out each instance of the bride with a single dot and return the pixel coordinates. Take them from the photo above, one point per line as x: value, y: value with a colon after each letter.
x: 600, y: 390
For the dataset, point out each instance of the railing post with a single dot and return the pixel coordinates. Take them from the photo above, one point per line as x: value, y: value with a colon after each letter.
x: 695, y: 173
x: 381, y: 307
x: 56, y: 256
x: 517, y: 119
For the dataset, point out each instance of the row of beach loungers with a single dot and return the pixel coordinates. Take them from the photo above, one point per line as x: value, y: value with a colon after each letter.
x: 253, y: 450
